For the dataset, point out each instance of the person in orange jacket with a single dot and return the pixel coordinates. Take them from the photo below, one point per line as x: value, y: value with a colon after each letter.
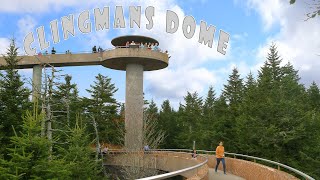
x: 220, y: 157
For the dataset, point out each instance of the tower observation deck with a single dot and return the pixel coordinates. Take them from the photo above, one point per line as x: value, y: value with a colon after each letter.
x: 123, y: 55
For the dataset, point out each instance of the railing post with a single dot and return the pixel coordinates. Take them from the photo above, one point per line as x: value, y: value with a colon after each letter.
x: 278, y: 167
x: 254, y: 160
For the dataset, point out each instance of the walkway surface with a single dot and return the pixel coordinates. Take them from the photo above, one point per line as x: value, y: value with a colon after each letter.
x: 219, y: 175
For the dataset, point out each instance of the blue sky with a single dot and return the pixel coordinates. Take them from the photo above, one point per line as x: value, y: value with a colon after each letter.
x: 252, y: 24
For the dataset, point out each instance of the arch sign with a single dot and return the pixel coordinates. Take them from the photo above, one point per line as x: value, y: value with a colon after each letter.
x: 102, y: 21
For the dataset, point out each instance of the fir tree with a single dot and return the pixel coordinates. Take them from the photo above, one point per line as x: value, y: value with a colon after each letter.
x: 168, y: 124
x: 66, y: 103
x: 192, y: 118
x: 208, y: 122
x: 28, y: 159
x: 233, y: 93
x: 314, y: 97
x: 103, y: 107
x: 13, y: 97
x: 79, y: 154
x: 234, y: 89
x: 152, y: 110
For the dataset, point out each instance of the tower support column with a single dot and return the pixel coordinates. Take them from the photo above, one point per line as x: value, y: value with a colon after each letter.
x: 36, y: 82
x: 134, y: 107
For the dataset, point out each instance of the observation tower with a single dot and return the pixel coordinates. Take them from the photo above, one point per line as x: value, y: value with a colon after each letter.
x: 134, y: 60
x: 131, y: 58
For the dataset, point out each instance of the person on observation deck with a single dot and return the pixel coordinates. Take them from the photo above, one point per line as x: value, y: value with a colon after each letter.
x: 220, y: 157
x: 149, y: 46
x: 100, y: 49
x: 141, y: 45
x: 94, y: 49
x: 156, y: 47
x: 194, y: 153
x: 53, y: 51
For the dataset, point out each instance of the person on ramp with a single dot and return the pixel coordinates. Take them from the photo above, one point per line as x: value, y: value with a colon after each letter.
x: 220, y: 157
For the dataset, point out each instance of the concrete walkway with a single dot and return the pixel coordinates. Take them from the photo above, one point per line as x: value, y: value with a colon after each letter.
x: 219, y: 175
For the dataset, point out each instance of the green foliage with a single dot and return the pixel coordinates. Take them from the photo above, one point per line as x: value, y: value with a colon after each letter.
x: 168, y: 124
x: 13, y: 97
x: 66, y: 103
x: 79, y: 154
x: 103, y: 107
x: 29, y: 158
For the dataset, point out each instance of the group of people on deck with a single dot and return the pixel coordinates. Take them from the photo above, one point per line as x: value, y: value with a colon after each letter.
x: 145, y: 45
x: 94, y: 49
x: 150, y: 46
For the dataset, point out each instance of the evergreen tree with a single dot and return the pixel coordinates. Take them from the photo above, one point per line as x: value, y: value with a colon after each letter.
x: 168, y: 124
x: 191, y: 119
x: 233, y: 93
x: 28, y: 159
x: 103, y: 107
x: 246, y: 126
x: 314, y: 97
x: 208, y: 107
x: 66, y: 103
x: 79, y: 154
x: 152, y: 110
x: 221, y: 124
x: 207, y: 126
x: 279, y: 110
x: 234, y: 89
x: 13, y: 97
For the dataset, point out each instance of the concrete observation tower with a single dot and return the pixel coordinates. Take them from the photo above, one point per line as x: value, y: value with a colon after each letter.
x: 134, y: 61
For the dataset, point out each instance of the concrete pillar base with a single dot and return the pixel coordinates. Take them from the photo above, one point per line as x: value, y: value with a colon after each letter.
x: 36, y: 82
x: 134, y: 107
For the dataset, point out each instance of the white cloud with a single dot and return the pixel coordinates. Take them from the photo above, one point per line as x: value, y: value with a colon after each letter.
x: 4, y: 44
x: 297, y: 39
x: 174, y: 83
x: 271, y: 11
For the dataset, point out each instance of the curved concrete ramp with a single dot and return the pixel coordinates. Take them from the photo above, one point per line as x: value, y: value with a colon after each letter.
x: 221, y: 176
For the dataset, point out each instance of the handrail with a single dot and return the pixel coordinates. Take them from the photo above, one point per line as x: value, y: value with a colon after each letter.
x: 170, y: 174
x: 77, y: 52
x: 175, y: 173
x: 304, y: 175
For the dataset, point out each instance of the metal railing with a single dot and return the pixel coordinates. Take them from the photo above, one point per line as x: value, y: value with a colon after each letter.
x: 44, y: 53
x: 234, y: 155
x: 170, y: 174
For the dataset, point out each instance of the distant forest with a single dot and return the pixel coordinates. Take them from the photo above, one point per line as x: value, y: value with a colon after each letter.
x: 271, y: 116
